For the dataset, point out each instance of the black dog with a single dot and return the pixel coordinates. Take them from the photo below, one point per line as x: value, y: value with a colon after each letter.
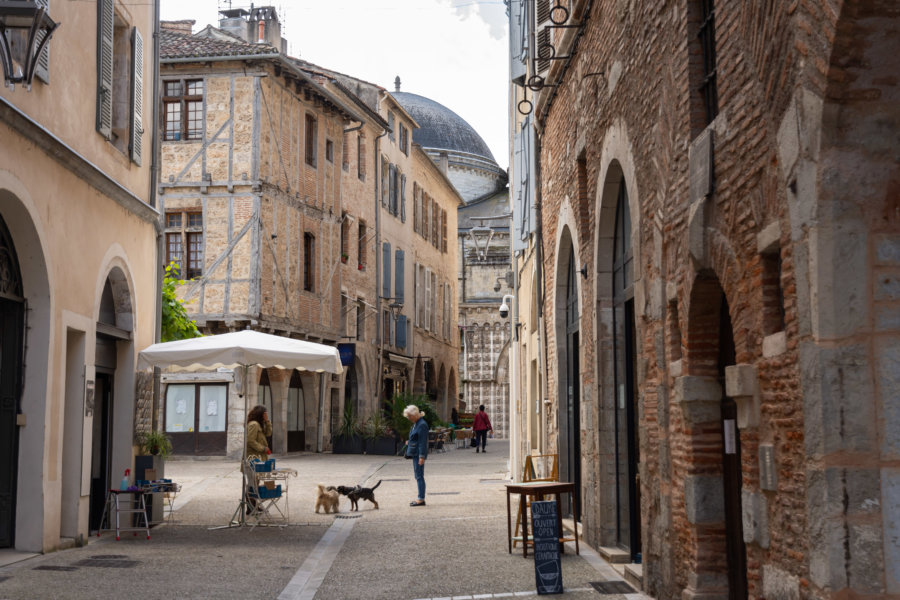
x: 358, y: 493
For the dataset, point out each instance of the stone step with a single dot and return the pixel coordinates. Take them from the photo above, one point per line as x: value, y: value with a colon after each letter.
x: 614, y: 555
x: 634, y: 575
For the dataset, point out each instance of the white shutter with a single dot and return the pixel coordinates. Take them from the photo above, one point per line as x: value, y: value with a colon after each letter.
x: 137, y: 96
x: 105, y: 32
x: 433, y: 327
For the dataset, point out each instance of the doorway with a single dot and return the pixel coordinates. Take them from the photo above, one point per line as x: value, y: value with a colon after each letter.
x: 736, y: 552
x: 101, y: 444
x: 12, y: 332
x: 296, y: 414
x: 570, y: 412
x: 628, y: 501
x: 264, y: 397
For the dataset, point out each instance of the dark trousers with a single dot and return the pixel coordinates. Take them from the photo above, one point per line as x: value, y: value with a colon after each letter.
x: 481, y: 439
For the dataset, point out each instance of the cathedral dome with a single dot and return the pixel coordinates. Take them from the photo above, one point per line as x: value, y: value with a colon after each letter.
x: 447, y: 138
x: 440, y: 128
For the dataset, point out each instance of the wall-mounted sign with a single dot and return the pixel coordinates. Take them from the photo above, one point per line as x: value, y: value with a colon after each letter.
x: 347, y: 352
x: 89, y: 398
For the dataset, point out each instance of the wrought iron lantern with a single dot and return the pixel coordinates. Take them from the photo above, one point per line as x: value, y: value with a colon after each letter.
x: 25, y: 30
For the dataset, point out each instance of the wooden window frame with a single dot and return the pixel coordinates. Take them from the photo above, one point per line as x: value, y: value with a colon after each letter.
x: 184, y: 231
x: 309, y: 257
x: 311, y: 134
x: 184, y: 133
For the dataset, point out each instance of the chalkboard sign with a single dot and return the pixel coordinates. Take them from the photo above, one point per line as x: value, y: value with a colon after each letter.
x: 547, y: 564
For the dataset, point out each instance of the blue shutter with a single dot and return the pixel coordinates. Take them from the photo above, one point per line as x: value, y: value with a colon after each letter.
x: 401, y: 331
x: 398, y: 276
x: 517, y: 31
x: 386, y: 270
x: 105, y: 33
x: 403, y: 198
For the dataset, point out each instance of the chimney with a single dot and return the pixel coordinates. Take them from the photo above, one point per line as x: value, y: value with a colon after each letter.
x: 185, y: 26
x: 397, y: 83
x: 261, y: 38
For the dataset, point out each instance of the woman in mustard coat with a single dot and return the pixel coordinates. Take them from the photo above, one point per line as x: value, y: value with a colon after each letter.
x: 258, y: 429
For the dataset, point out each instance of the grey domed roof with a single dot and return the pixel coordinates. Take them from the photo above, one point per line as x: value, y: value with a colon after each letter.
x: 440, y: 128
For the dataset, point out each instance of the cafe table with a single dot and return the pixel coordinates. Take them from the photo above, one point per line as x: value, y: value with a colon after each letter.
x: 539, y: 489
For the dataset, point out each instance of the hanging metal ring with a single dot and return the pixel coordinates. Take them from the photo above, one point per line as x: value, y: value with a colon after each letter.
x: 559, y: 8
x: 543, y: 54
x: 535, y: 83
x: 528, y: 107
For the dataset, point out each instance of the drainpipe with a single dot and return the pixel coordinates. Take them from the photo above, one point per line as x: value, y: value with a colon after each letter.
x: 379, y: 327
x: 154, y: 179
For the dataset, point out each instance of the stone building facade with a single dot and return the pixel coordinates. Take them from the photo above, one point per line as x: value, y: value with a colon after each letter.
x: 716, y: 198
x: 485, y: 278
x: 253, y: 163
x: 78, y: 269
x: 465, y: 159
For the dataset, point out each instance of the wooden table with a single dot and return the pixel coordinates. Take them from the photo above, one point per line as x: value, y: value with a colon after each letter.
x: 539, y: 489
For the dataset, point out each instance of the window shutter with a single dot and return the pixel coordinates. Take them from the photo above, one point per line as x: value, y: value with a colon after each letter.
x: 137, y: 96
x: 399, y: 279
x: 517, y: 69
x: 420, y: 296
x: 105, y: 25
x: 403, y: 198
x: 444, y: 231
x: 386, y: 270
x: 428, y: 299
x: 401, y: 331
x: 416, y: 207
x: 42, y: 69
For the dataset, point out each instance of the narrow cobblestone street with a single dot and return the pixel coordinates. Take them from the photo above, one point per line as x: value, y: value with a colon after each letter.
x: 454, y: 547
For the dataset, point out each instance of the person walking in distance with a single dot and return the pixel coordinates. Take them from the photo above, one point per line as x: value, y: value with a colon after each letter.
x: 417, y: 449
x: 481, y: 426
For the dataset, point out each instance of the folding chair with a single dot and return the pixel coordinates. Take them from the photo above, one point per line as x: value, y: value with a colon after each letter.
x: 262, y: 502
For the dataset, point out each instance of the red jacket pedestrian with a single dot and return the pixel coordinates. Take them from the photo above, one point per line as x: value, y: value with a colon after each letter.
x: 481, y: 425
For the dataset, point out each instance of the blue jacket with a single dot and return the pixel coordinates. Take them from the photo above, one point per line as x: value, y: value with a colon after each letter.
x: 418, y: 440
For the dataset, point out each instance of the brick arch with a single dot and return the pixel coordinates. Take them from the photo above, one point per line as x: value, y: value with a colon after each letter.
x: 729, y: 277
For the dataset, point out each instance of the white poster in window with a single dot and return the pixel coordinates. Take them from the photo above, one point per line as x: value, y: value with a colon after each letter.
x: 212, y: 408
x: 176, y: 427
x: 729, y: 436
x: 180, y: 406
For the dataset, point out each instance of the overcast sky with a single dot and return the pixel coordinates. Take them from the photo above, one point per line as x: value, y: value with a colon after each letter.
x: 451, y: 51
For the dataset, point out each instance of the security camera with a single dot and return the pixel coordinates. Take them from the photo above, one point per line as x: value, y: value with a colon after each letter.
x: 504, y: 310
x: 497, y: 287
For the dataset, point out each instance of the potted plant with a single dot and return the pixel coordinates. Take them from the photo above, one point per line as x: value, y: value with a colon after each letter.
x: 155, y: 443
x: 347, y: 438
x: 344, y: 257
x: 379, y: 436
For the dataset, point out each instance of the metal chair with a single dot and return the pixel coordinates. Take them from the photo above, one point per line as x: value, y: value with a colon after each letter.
x: 262, y: 502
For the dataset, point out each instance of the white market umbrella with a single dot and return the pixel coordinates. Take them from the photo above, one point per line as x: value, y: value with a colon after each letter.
x: 243, y: 349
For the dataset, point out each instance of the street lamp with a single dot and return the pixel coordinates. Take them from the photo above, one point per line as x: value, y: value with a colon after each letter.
x: 25, y: 29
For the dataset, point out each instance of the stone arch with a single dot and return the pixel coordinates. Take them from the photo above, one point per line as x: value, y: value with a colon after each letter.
x: 452, y: 393
x: 114, y: 305
x: 418, y: 386
x: 616, y: 172
x: 441, y: 400
x: 710, y: 491
x: 568, y: 308
x: 23, y: 222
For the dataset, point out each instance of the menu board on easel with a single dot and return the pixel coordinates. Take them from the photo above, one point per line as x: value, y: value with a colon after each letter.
x: 545, y: 533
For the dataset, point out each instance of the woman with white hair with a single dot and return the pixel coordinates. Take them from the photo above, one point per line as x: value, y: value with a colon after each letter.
x: 417, y: 449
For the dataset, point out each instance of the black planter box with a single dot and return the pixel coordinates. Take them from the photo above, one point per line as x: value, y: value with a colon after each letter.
x: 342, y: 444
x: 385, y: 446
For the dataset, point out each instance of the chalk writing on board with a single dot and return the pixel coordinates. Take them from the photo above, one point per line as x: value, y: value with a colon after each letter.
x: 547, y: 563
